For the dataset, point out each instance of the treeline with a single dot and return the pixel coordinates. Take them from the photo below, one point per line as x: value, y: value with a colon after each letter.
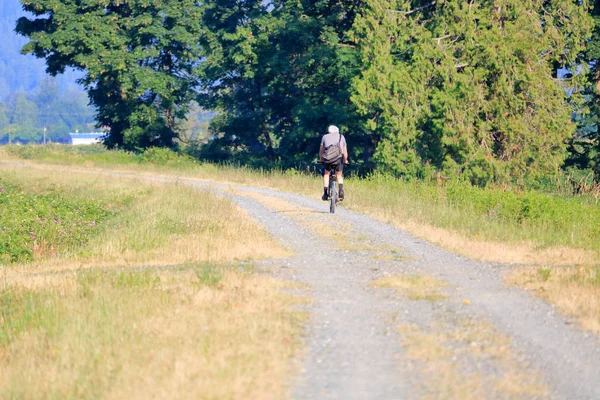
x: 23, y: 116
x: 447, y: 89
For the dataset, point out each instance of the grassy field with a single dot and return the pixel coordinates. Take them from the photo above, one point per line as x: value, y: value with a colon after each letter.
x: 485, y: 224
x: 531, y: 228
x: 140, y: 292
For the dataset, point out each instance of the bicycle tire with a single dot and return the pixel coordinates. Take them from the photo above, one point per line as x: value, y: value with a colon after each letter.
x: 333, y: 197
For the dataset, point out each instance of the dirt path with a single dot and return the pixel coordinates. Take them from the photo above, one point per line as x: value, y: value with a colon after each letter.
x: 476, y: 338
x: 366, y: 342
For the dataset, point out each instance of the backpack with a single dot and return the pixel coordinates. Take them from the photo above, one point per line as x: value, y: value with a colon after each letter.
x: 333, y: 153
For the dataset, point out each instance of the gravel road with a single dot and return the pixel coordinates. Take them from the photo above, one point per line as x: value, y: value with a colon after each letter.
x: 354, y: 350
x: 354, y: 347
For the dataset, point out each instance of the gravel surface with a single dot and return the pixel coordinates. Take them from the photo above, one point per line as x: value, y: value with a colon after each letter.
x: 354, y: 350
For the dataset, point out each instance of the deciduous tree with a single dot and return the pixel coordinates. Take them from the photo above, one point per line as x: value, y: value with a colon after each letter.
x: 138, y: 57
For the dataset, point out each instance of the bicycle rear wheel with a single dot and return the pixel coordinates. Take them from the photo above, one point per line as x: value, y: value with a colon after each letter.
x: 333, y: 197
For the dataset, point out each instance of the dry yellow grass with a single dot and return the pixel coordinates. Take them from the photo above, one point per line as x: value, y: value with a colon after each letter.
x: 443, y: 351
x: 485, y: 250
x: 69, y: 329
x: 575, y: 291
x: 149, y: 335
x: 461, y: 358
x: 415, y: 287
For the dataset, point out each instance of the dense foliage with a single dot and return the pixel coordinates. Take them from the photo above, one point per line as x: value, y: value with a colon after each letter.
x: 585, y: 146
x: 279, y: 73
x: 461, y: 90
x: 137, y: 56
x: 469, y: 89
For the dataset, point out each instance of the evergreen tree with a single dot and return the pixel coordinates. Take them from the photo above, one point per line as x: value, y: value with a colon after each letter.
x: 469, y: 88
x: 585, y: 147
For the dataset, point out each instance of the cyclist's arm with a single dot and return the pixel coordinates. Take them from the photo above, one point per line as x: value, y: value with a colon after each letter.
x: 345, y: 154
x: 321, y: 150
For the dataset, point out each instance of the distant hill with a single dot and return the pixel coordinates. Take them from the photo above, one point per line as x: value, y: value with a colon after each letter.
x: 19, y: 73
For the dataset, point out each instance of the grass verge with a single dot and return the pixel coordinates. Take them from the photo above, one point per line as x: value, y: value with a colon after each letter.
x: 151, y: 224
x: 575, y: 291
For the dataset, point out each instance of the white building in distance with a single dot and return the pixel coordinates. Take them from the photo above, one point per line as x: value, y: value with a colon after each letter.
x: 78, y: 139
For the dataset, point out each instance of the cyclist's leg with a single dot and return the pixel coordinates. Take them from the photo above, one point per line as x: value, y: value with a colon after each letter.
x: 326, y: 183
x: 340, y: 178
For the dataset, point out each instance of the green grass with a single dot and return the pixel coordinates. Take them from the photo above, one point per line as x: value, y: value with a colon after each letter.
x: 507, y: 216
x: 33, y: 224
x: 491, y: 214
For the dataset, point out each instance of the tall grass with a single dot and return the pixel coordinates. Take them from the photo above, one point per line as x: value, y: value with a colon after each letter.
x: 575, y: 291
x: 150, y: 305
x: 150, y: 224
x: 147, y: 334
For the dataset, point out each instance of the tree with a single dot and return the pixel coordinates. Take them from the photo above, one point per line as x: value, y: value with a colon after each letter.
x: 138, y: 59
x: 8, y: 133
x: 468, y: 88
x: 584, y: 148
x: 278, y: 73
x: 4, y: 122
x: 24, y: 112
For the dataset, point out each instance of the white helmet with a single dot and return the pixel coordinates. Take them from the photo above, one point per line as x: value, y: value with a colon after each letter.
x: 333, y: 129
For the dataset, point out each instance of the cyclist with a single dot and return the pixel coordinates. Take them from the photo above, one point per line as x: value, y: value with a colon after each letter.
x: 333, y: 138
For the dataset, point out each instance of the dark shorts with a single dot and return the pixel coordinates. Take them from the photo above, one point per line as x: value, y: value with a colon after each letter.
x: 336, y: 166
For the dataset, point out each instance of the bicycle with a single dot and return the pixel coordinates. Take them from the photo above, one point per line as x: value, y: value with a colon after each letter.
x: 333, y: 191
x: 334, y: 194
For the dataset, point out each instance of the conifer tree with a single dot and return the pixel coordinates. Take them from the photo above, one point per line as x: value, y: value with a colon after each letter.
x: 469, y: 88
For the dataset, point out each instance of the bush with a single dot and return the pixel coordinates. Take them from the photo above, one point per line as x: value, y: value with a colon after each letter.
x: 164, y: 156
